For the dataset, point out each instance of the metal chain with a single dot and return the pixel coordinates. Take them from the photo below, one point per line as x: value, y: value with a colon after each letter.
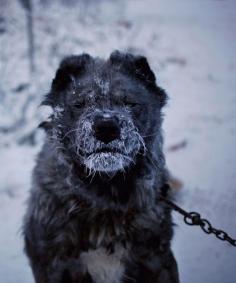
x: 194, y: 218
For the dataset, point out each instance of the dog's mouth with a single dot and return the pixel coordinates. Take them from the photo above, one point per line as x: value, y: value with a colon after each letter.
x: 105, y: 150
x: 108, y: 150
x: 107, y: 160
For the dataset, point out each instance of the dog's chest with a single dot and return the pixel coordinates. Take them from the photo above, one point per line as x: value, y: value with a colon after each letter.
x: 104, y: 267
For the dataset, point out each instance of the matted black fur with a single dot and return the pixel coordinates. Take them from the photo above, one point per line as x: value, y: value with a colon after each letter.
x: 93, y: 213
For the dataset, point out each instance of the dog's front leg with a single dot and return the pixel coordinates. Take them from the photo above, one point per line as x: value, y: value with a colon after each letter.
x: 161, y: 269
x: 39, y: 273
x: 51, y: 241
x: 155, y: 269
x: 169, y: 273
x: 69, y: 271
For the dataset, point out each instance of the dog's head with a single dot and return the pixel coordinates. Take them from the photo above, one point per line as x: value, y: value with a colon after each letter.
x: 106, y: 113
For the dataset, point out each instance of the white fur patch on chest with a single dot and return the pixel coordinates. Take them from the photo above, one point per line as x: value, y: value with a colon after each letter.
x: 104, y: 267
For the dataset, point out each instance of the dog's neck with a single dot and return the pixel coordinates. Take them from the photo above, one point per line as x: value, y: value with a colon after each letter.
x: 137, y: 186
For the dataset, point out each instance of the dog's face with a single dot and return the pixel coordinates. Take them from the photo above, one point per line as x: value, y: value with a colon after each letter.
x: 105, y: 110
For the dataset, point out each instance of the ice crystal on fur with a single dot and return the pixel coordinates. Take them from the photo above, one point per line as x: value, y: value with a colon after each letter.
x: 106, y: 162
x: 58, y: 112
x: 103, y: 85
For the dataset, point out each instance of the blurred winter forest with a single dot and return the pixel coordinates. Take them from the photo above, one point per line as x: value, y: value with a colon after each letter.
x: 190, y: 45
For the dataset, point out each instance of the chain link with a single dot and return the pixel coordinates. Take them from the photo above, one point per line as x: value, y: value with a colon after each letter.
x: 194, y: 218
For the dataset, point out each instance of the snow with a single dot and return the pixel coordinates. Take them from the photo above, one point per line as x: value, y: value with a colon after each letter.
x: 191, y: 46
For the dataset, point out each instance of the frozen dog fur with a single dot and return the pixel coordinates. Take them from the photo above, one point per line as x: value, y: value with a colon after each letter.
x: 93, y: 213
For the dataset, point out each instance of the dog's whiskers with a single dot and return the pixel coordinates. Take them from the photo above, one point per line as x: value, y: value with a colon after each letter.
x: 67, y: 133
x: 151, y: 135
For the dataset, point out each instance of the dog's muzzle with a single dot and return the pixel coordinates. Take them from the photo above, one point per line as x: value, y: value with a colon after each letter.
x: 108, y: 141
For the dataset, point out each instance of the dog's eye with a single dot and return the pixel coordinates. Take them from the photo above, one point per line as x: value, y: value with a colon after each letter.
x: 131, y: 104
x: 78, y: 105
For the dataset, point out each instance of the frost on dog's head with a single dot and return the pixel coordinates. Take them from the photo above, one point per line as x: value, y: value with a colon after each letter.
x: 105, y: 110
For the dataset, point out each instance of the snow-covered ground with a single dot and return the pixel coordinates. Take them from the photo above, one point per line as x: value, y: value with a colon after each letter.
x: 191, y: 46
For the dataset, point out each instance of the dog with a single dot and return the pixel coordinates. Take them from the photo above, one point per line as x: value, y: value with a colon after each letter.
x: 94, y: 213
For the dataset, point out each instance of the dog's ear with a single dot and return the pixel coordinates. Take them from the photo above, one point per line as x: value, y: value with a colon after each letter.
x: 138, y: 67
x: 70, y: 69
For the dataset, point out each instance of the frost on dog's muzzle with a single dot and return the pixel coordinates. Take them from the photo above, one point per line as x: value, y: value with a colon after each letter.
x: 107, y: 162
x: 102, y: 156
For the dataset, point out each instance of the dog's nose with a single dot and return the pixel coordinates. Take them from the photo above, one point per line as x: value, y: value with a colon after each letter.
x: 106, y: 128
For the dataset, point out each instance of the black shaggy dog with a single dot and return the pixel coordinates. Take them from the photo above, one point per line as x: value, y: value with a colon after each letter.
x: 94, y: 213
